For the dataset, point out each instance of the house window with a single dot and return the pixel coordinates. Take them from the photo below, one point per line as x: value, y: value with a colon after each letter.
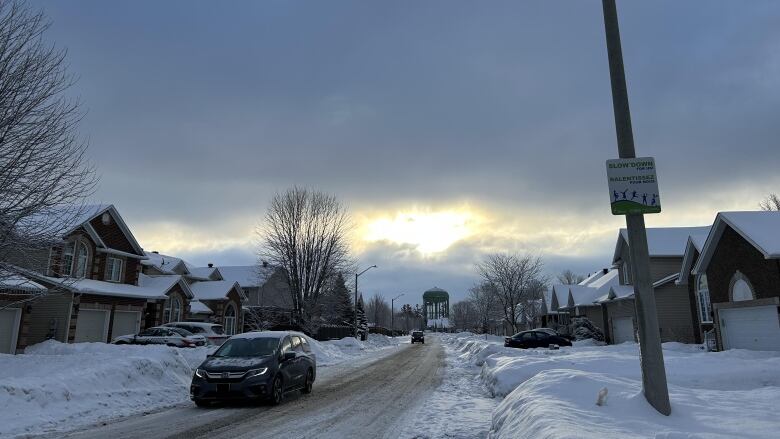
x: 703, y: 299
x: 114, y: 269
x: 172, y: 310
x: 741, y: 290
x: 67, y: 258
x: 230, y: 320
x: 176, y: 310
x: 82, y: 257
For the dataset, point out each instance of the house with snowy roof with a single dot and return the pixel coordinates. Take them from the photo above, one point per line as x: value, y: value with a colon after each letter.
x: 736, y: 279
x: 90, y: 289
x: 584, y: 298
x: 675, y: 307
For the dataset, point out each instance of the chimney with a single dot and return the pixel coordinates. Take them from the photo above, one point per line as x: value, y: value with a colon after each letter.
x: 265, y: 264
x: 211, y: 265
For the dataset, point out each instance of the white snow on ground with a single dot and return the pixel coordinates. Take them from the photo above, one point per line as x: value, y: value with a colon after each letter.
x: 459, y: 408
x: 552, y: 393
x: 60, y: 387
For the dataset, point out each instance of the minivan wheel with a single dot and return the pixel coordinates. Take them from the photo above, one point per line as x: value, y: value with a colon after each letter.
x: 201, y: 403
x: 309, y: 382
x: 276, y: 391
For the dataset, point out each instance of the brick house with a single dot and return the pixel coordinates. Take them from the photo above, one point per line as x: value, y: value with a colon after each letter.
x: 738, y: 274
x: 673, y: 304
x: 91, y: 288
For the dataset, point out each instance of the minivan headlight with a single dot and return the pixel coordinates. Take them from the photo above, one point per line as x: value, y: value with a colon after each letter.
x: 200, y: 373
x: 256, y: 372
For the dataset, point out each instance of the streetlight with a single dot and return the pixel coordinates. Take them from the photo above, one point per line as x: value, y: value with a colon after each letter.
x: 356, y: 296
x: 392, y: 314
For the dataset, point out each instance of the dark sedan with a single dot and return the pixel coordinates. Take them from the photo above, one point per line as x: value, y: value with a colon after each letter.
x: 535, y: 339
x: 255, y: 365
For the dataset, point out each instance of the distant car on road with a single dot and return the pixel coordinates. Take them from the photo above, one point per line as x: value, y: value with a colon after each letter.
x: 177, y: 337
x: 255, y: 365
x: 418, y: 337
x: 535, y: 339
x: 214, y: 333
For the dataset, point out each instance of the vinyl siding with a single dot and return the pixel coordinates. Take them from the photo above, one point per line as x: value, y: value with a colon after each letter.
x: 49, y: 318
x: 674, y: 313
x: 594, y: 314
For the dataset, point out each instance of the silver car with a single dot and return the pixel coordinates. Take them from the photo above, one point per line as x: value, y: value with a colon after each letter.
x: 213, y: 332
x: 177, y: 337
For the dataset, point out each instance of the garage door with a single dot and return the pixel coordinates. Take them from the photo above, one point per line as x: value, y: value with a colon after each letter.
x: 756, y: 328
x: 125, y: 322
x: 623, y: 329
x: 9, y: 330
x: 91, y: 325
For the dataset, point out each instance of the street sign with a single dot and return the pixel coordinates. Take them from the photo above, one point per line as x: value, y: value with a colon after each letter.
x: 633, y: 186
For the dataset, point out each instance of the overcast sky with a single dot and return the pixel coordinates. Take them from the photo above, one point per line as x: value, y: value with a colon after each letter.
x: 450, y: 129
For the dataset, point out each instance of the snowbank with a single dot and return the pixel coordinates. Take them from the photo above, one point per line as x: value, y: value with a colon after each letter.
x: 552, y: 393
x: 56, y: 384
x: 58, y: 387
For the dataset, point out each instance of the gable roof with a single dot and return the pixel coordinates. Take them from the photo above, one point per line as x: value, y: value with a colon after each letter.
x: 761, y: 229
x: 89, y: 212
x: 593, y: 276
x: 205, y: 273
x: 247, y: 276
x: 166, y: 264
x: 215, y: 289
x: 581, y: 295
x: 10, y: 280
x: 618, y: 292
x: 662, y: 241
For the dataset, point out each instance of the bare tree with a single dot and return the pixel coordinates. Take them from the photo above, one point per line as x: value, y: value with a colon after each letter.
x: 483, y: 297
x: 305, y: 232
x: 44, y: 172
x: 568, y: 277
x: 771, y: 202
x: 464, y: 315
x: 378, y: 311
x: 514, y: 278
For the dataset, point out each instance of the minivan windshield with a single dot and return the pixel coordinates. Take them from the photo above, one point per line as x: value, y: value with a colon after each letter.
x: 248, y: 347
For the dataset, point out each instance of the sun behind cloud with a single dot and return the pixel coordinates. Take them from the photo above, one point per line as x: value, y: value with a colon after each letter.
x: 428, y: 232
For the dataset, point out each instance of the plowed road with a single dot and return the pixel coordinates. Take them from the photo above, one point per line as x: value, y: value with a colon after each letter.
x: 359, y: 401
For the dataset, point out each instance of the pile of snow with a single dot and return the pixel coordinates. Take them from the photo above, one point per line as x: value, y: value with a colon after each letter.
x: 553, y: 393
x: 55, y: 384
x: 336, y: 351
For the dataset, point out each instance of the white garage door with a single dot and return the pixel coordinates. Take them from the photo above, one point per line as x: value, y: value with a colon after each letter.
x: 125, y: 322
x: 756, y: 328
x: 9, y: 330
x: 92, y: 325
x: 623, y: 329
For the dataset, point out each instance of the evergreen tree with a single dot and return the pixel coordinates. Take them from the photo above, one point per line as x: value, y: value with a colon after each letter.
x: 362, y: 320
x: 342, y: 298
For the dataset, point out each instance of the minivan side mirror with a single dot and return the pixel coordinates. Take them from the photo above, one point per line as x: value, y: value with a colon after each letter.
x: 288, y: 356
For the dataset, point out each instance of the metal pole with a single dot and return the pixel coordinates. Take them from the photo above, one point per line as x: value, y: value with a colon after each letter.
x: 356, y: 303
x: 651, y: 355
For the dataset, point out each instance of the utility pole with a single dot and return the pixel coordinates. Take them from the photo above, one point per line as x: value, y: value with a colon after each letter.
x: 651, y: 355
x: 357, y: 275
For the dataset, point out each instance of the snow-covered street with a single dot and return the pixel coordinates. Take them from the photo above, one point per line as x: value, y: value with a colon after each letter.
x: 58, y: 387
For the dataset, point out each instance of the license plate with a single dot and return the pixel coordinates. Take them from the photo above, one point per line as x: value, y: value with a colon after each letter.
x: 223, y: 388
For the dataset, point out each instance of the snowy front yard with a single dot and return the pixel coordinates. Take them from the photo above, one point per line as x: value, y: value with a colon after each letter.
x: 60, y: 387
x: 553, y: 393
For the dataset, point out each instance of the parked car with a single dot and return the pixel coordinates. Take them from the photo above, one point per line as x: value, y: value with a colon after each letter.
x: 554, y: 332
x: 161, y: 335
x: 535, y: 339
x: 418, y: 336
x: 214, y: 333
x: 255, y: 365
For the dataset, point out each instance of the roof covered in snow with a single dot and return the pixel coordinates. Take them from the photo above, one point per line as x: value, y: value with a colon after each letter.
x: 15, y: 281
x: 619, y: 292
x: 166, y: 264
x: 215, y: 289
x: 205, y: 273
x: 759, y: 228
x: 592, y: 277
x: 80, y: 217
x: 197, y: 307
x: 662, y: 241
x: 150, y: 288
x: 247, y: 276
x: 582, y: 295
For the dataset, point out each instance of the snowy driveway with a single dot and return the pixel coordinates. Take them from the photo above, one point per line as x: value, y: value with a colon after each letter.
x: 363, y: 399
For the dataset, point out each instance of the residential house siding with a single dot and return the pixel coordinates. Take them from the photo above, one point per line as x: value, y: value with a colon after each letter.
x: 673, y: 307
x: 616, y: 309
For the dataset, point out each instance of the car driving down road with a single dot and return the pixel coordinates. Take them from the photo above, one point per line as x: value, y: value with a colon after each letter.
x: 255, y: 365
x: 418, y: 337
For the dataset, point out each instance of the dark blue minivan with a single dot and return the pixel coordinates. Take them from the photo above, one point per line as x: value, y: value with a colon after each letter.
x: 256, y: 365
